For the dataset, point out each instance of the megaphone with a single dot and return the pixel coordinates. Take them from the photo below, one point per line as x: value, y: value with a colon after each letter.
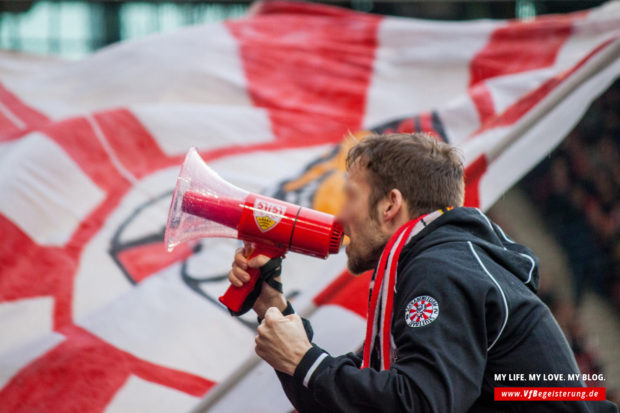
x: 205, y: 206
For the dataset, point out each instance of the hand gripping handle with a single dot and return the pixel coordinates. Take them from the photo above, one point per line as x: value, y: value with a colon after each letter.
x: 234, y: 297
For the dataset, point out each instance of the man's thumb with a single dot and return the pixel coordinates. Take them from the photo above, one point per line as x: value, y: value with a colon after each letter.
x: 273, y: 314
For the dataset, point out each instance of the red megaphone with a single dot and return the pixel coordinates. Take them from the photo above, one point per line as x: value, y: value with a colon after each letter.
x: 205, y: 206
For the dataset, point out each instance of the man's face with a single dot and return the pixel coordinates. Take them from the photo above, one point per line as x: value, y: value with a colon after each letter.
x: 367, y: 238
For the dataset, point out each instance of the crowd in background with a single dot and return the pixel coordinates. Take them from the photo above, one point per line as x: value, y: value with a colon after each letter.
x: 577, y: 191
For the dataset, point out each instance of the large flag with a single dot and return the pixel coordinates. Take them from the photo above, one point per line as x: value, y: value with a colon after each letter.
x: 96, y: 316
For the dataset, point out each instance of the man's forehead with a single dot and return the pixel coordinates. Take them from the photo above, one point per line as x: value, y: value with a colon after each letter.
x: 354, y: 177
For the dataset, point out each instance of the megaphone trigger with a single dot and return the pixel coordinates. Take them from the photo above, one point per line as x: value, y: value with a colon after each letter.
x: 234, y: 297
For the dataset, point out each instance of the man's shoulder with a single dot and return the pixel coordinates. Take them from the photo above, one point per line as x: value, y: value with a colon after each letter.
x: 444, y: 266
x: 452, y: 256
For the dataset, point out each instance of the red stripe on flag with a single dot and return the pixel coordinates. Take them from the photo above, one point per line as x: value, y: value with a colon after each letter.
x: 39, y: 270
x: 9, y: 129
x: 29, y: 270
x: 482, y: 99
x: 536, y: 43
x: 473, y: 175
x: 347, y: 291
x: 49, y: 271
x: 301, y: 8
x: 78, y: 139
x: 516, y: 111
x: 83, y: 373
x: 144, y: 260
x: 24, y: 114
x: 132, y: 143
x: 406, y: 126
x: 316, y: 66
x: 426, y: 124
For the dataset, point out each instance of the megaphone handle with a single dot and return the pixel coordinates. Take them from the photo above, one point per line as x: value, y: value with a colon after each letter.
x: 234, y: 297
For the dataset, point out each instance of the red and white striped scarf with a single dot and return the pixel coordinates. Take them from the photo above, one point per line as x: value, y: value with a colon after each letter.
x: 382, y: 290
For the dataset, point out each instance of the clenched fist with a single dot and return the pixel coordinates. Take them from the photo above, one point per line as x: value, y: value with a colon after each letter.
x: 282, y: 341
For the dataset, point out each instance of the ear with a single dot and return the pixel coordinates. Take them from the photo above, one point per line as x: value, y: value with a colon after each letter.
x: 393, y: 207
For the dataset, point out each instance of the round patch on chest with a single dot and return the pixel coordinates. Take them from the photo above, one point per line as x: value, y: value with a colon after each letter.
x: 421, y: 311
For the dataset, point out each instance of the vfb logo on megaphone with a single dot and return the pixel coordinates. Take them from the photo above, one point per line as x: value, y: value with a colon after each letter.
x: 267, y: 214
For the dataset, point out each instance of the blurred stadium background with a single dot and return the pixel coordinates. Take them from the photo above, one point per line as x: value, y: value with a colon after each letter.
x: 567, y: 209
x: 73, y: 29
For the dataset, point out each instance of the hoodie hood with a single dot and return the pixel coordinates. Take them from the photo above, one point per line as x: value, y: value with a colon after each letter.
x: 471, y: 224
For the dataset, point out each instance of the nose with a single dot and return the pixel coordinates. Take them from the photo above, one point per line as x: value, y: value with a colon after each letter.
x: 340, y: 218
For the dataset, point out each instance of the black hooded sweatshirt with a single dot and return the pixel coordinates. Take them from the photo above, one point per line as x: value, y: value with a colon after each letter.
x: 488, y: 321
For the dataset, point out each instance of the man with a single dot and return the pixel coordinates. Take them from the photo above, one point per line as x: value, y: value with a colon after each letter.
x: 453, y: 299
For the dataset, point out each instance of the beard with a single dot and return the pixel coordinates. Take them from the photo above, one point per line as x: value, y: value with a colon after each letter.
x: 364, y: 259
